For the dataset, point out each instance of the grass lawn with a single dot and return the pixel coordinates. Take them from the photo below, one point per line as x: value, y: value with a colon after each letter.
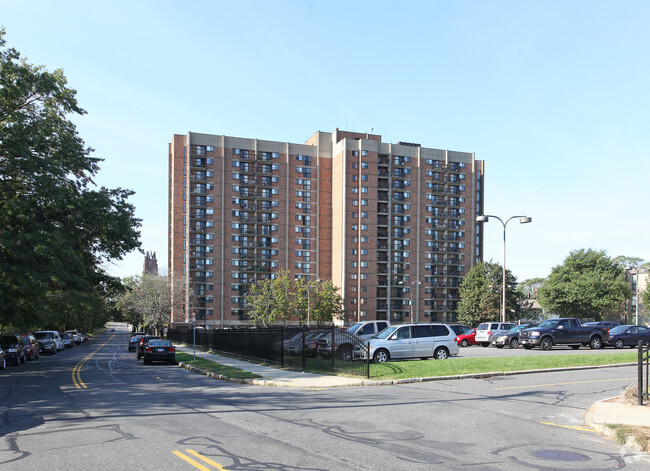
x: 213, y: 367
x: 459, y: 366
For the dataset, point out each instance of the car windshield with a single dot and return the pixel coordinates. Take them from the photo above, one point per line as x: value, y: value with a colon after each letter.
x: 44, y: 335
x: 516, y: 329
x: 385, y: 333
x: 353, y: 328
x: 483, y: 326
x: 159, y: 343
x: 550, y: 323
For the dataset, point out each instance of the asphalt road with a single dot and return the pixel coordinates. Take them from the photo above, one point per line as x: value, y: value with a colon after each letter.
x: 96, y: 407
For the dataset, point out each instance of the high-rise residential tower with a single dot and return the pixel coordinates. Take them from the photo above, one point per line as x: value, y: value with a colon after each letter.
x: 392, y: 225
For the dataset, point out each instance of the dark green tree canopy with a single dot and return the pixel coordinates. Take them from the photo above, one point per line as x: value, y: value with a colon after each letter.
x: 586, y: 284
x: 56, y: 227
x: 481, y: 294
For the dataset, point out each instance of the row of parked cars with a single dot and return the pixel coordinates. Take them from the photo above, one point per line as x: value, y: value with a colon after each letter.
x: 19, y: 348
x: 562, y: 331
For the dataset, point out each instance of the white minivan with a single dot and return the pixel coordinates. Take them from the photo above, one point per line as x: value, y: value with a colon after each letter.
x: 413, y: 341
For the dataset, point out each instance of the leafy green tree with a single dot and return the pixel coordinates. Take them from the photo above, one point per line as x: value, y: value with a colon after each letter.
x: 328, y: 304
x: 56, y: 229
x: 586, y: 284
x: 528, y: 288
x: 260, y: 302
x: 147, y: 301
x: 481, y: 294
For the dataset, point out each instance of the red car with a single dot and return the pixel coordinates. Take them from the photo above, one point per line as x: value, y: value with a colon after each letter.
x: 31, y: 347
x: 467, y: 339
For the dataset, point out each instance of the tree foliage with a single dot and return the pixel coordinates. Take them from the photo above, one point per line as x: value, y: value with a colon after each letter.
x: 481, y: 294
x: 56, y: 228
x: 284, y: 298
x: 147, y: 301
x: 586, y: 284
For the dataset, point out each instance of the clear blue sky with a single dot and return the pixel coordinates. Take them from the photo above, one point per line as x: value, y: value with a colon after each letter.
x: 554, y: 96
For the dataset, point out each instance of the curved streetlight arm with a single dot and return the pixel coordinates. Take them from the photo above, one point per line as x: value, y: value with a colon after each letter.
x: 522, y: 220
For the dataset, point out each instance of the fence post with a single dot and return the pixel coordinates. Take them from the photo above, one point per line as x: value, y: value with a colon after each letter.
x: 333, y: 352
x: 304, y: 334
x: 639, y: 387
x: 368, y: 360
x: 282, y: 346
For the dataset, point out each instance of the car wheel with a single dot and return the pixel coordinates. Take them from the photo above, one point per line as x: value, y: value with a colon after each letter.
x: 546, y: 343
x: 595, y: 343
x: 514, y: 343
x: 619, y: 343
x: 464, y: 343
x: 441, y: 353
x: 485, y: 344
x: 345, y: 352
x: 381, y: 356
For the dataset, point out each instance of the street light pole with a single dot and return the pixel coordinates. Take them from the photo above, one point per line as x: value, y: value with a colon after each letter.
x: 417, y: 297
x: 636, y: 271
x: 522, y: 220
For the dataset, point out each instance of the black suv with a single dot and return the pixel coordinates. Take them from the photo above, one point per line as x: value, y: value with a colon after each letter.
x: 14, y: 347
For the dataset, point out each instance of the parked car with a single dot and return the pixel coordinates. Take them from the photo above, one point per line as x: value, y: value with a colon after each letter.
x: 76, y: 336
x: 467, y: 339
x: 133, y: 342
x: 159, y: 350
x: 509, y: 338
x: 144, y: 341
x: 485, y: 330
x: 67, y: 341
x: 14, y: 348
x: 412, y: 341
x: 347, y: 341
x: 32, y: 348
x: 46, y: 345
x: 460, y: 329
x: 3, y: 361
x: 51, y: 334
x: 628, y: 335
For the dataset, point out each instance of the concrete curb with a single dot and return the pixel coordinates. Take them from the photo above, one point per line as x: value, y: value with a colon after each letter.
x: 391, y: 382
x: 608, y: 432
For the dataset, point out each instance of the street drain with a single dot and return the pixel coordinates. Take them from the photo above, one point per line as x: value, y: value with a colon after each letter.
x: 557, y: 455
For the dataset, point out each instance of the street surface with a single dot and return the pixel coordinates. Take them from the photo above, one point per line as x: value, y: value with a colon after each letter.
x: 96, y: 407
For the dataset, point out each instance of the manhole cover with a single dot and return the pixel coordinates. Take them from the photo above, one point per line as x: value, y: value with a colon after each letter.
x: 559, y: 455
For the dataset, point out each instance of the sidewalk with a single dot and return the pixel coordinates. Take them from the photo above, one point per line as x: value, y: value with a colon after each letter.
x: 270, y: 376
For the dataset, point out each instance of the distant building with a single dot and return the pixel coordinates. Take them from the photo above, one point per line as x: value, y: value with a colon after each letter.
x: 150, y: 264
x: 393, y: 225
x: 637, y: 277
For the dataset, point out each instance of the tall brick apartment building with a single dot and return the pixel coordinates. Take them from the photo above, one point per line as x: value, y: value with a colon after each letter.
x: 387, y: 223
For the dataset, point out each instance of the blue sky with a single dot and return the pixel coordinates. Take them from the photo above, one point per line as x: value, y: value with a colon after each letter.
x: 552, y: 95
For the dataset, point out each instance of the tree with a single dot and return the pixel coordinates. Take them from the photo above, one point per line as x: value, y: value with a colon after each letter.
x: 528, y: 288
x: 56, y: 230
x: 481, y: 294
x: 147, y: 301
x: 586, y: 284
x: 328, y: 304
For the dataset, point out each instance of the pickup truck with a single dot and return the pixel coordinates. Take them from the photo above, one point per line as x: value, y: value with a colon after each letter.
x: 566, y: 331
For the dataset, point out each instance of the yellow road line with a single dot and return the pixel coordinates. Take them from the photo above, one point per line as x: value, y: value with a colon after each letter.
x: 196, y: 464
x: 563, y: 384
x: 207, y: 460
x: 582, y: 429
x: 76, y: 371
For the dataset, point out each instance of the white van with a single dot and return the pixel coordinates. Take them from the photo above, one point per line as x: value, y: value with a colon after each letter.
x: 485, y: 330
x: 413, y: 341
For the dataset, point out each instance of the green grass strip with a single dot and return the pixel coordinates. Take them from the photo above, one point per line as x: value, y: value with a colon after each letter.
x: 460, y: 366
x: 212, y: 367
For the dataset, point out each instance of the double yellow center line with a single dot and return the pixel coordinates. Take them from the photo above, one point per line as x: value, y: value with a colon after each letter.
x: 195, y: 463
x: 76, y: 371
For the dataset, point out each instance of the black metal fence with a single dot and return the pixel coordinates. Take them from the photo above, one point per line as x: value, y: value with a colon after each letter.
x: 644, y: 367
x: 299, y: 348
